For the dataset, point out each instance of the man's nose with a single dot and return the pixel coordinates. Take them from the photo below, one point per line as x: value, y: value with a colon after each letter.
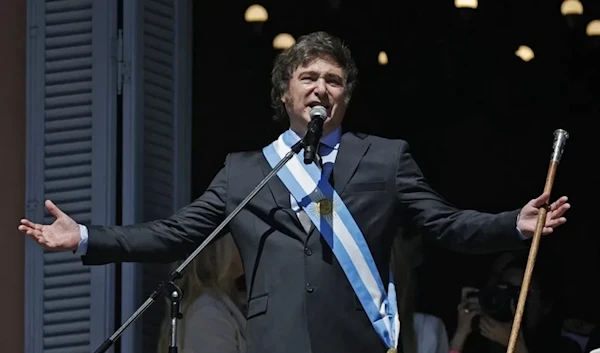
x: 321, y: 88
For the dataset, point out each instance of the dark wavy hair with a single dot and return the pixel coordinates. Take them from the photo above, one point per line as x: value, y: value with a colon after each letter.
x: 309, y: 47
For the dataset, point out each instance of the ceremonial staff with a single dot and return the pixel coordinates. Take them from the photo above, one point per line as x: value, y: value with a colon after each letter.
x: 560, y: 139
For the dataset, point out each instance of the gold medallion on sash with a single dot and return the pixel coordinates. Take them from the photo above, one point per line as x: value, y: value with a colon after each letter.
x: 392, y: 350
x: 324, y: 207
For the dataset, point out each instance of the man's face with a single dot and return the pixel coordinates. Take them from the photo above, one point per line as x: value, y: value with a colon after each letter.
x: 320, y: 82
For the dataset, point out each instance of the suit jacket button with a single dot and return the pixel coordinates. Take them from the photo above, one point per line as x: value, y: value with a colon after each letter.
x: 308, y: 251
x: 310, y: 288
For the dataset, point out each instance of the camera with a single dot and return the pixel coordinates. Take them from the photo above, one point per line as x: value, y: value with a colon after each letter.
x: 497, y: 300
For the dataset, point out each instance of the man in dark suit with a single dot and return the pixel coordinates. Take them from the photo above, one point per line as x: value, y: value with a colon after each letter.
x: 311, y: 283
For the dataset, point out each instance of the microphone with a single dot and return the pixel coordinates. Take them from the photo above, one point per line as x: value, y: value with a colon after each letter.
x: 318, y: 114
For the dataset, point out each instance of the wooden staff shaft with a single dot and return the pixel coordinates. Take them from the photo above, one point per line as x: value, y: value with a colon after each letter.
x: 541, y: 222
x: 559, y: 141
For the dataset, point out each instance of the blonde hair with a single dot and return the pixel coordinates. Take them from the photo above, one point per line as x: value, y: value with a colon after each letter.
x: 212, y: 273
x: 401, y: 261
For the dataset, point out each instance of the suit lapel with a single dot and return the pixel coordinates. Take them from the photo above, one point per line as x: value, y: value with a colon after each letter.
x: 352, y: 150
x: 280, y: 193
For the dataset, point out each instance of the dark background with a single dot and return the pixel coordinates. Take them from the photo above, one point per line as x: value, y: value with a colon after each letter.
x: 478, y: 118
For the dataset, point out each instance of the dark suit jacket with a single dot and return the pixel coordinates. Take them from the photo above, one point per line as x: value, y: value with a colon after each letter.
x: 299, y: 298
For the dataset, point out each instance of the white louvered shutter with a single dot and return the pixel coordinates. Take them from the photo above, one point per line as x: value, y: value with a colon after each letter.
x: 157, y: 118
x: 71, y: 134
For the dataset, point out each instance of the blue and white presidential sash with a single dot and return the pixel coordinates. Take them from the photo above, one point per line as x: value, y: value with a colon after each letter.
x: 331, y: 217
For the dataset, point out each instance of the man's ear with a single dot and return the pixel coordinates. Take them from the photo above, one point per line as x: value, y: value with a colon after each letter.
x: 284, y: 99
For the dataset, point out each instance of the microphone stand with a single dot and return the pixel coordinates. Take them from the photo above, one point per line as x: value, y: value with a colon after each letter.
x: 169, y: 288
x: 175, y: 295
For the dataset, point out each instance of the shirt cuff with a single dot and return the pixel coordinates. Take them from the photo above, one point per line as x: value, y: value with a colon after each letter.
x: 521, y: 235
x: 83, y: 243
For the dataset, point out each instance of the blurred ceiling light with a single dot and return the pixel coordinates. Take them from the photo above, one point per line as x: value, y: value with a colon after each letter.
x: 471, y: 4
x: 571, y: 7
x: 382, y: 58
x: 256, y: 13
x: 283, y: 41
x: 593, y: 28
x: 525, y: 53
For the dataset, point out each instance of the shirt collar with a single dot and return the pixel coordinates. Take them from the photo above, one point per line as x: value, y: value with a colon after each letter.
x: 331, y: 140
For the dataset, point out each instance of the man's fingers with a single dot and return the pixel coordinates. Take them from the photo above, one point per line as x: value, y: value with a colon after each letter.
x: 561, y: 201
x: 555, y: 222
x: 27, y: 223
x: 558, y: 212
x: 53, y: 209
x: 33, y: 233
x: 30, y: 230
x: 28, y: 226
x: 547, y: 230
x: 541, y: 200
